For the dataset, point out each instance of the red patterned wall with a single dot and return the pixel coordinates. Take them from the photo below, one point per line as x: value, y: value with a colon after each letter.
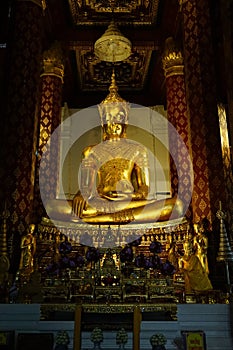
x: 181, y: 178
x: 50, y: 118
x: 20, y: 132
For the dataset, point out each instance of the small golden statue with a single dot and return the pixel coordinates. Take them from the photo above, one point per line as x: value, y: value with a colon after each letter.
x: 121, y: 168
x: 200, y: 243
x: 195, y: 277
x: 28, y: 249
x: 173, y: 256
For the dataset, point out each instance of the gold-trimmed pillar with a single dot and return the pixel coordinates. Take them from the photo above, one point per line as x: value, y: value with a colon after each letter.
x: 20, y: 133
x: 181, y: 171
x: 209, y: 186
x: 50, y: 118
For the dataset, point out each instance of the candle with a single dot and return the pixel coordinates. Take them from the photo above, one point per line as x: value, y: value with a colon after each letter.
x: 136, y: 327
x: 220, y: 205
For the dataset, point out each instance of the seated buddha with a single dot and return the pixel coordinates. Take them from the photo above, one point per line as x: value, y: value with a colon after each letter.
x: 114, y: 181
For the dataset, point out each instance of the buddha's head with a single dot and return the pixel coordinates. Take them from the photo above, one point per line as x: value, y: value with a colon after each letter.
x: 31, y: 228
x: 114, y: 112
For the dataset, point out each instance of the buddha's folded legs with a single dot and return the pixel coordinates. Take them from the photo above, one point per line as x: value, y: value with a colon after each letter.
x: 105, y: 212
x: 156, y: 211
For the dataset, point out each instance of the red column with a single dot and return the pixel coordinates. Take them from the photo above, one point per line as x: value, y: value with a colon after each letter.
x: 179, y: 143
x: 209, y: 186
x: 50, y: 119
x: 21, y: 119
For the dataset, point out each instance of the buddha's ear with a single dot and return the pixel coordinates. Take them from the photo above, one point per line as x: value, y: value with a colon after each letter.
x: 124, y: 128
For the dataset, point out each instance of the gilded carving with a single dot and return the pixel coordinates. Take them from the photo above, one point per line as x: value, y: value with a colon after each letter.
x: 89, y: 12
x: 53, y: 61
x: 172, y: 59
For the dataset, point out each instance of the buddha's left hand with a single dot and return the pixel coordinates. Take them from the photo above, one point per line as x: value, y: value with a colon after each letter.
x: 117, y: 196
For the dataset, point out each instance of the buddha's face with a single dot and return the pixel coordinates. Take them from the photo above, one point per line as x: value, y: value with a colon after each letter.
x: 31, y: 228
x: 187, y: 248
x: 114, y: 125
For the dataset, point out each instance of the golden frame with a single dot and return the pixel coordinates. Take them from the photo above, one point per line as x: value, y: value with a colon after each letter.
x: 194, y: 340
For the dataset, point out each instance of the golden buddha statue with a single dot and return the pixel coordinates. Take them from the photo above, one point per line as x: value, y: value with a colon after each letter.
x: 200, y: 242
x: 114, y: 180
x: 28, y: 249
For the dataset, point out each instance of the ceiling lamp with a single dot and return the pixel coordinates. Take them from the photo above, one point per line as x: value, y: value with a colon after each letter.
x: 112, y: 46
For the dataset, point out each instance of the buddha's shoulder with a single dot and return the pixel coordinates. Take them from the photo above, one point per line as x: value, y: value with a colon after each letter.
x: 87, y: 151
x: 134, y: 144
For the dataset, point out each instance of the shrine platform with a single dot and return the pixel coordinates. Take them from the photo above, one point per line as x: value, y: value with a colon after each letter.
x: 214, y: 320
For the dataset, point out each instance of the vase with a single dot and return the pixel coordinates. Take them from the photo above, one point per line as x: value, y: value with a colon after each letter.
x: 121, y: 346
x: 158, y: 347
x: 97, y: 346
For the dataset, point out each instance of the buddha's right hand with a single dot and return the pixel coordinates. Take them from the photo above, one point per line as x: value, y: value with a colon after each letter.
x: 79, y: 204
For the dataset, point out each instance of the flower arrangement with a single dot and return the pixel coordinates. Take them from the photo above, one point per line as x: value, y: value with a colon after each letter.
x: 140, y: 260
x: 97, y: 335
x: 93, y: 254
x: 121, y: 336
x: 65, y: 247
x: 156, y: 247
x: 167, y: 268
x: 158, y: 339
x: 178, y: 342
x: 62, y: 338
x: 126, y: 254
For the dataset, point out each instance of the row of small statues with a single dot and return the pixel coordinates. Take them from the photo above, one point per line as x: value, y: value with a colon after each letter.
x: 191, y: 260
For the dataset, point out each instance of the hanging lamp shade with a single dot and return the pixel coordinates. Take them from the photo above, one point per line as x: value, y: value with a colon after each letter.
x: 112, y: 46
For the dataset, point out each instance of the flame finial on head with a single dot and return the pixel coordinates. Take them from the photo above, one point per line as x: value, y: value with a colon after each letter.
x: 113, y: 99
x: 113, y: 95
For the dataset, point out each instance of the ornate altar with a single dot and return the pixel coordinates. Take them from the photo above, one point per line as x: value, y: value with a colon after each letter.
x: 72, y: 272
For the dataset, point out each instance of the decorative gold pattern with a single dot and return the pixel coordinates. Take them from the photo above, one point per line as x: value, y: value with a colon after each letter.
x: 46, y: 309
x: 140, y: 12
x: 161, y: 232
